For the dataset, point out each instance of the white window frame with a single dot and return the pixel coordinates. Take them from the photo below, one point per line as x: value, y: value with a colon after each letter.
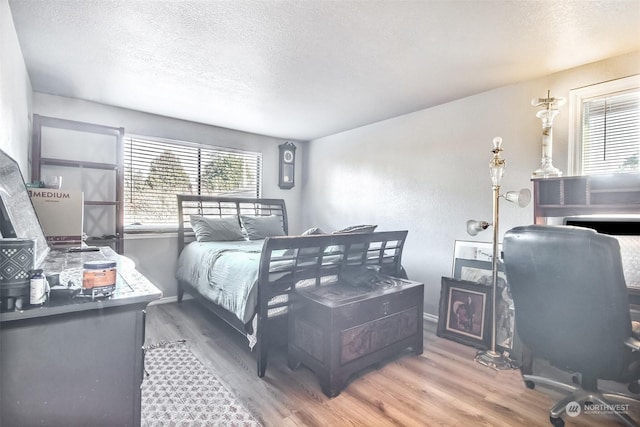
x: 131, y: 229
x: 576, y: 98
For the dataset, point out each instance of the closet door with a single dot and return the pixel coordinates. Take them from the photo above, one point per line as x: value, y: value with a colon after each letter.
x: 88, y: 158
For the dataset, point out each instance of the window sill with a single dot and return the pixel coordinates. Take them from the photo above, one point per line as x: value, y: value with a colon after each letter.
x: 132, y: 232
x: 150, y: 235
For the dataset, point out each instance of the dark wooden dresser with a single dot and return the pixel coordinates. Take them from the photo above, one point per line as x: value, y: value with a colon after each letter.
x: 338, y: 330
x: 76, y: 361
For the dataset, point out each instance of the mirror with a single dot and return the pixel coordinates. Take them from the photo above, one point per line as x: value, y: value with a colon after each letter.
x: 17, y: 216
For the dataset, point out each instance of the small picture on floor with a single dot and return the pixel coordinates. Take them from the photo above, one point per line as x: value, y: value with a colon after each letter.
x: 481, y: 272
x: 464, y: 312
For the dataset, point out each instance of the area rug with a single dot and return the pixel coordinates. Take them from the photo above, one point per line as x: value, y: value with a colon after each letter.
x: 179, y: 391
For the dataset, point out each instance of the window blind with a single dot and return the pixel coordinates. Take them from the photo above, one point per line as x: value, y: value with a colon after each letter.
x: 157, y: 170
x: 611, y: 133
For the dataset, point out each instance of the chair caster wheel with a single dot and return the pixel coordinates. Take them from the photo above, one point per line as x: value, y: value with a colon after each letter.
x: 530, y: 384
x: 634, y: 387
x: 557, y: 422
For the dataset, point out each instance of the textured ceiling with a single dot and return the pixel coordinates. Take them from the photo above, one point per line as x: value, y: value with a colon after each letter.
x: 305, y: 69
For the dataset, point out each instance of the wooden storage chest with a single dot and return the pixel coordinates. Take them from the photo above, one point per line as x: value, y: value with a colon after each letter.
x: 338, y: 330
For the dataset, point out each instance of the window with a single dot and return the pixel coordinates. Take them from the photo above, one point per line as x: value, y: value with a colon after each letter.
x: 157, y: 170
x: 605, y: 131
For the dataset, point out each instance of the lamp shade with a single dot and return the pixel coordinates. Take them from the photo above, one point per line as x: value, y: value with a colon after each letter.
x: 474, y: 227
x: 520, y: 198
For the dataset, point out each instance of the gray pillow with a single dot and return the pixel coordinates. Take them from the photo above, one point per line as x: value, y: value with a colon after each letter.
x: 365, y: 228
x: 259, y: 227
x: 312, y: 231
x: 213, y: 229
x: 357, y: 229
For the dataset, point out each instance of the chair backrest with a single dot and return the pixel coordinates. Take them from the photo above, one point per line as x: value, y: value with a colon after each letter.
x: 570, y: 296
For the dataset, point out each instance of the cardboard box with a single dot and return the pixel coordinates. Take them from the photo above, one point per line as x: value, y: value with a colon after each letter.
x: 60, y: 213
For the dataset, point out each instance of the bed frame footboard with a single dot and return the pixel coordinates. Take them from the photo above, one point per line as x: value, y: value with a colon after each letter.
x: 289, y: 262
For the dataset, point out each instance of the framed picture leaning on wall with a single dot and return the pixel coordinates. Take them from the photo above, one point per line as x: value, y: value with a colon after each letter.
x: 472, y: 262
x: 465, y: 312
x: 479, y: 251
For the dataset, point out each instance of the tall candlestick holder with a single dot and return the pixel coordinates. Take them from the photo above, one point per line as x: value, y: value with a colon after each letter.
x: 547, y: 115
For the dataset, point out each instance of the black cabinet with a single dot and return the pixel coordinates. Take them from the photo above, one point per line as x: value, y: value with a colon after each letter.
x: 78, y: 362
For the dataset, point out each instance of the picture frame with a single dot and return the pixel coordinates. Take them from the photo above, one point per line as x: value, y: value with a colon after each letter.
x: 480, y: 251
x: 465, y: 312
x: 18, y: 217
x: 473, y: 270
x: 481, y: 272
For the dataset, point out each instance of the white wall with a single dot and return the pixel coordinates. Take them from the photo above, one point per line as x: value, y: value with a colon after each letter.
x: 156, y: 256
x: 15, y: 94
x: 427, y: 172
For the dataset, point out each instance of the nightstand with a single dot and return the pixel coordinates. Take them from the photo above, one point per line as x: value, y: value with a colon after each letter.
x: 337, y: 330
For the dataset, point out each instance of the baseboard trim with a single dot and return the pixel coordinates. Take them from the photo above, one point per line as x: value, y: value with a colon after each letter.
x: 430, y: 317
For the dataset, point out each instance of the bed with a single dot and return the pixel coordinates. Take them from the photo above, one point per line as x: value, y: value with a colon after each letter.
x: 248, y: 282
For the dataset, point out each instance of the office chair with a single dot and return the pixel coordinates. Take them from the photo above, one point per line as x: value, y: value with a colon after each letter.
x: 572, y: 309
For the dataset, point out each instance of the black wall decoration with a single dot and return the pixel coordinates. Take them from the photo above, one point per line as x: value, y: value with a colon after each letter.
x: 286, y: 171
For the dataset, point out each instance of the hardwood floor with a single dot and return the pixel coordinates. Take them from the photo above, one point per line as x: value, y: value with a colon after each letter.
x: 441, y: 387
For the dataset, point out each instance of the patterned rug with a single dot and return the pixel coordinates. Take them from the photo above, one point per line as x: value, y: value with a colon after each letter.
x: 179, y: 391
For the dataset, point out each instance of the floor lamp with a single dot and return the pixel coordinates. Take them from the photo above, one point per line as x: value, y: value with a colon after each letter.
x: 522, y: 198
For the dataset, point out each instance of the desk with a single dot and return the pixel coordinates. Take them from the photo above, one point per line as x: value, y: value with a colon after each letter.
x: 337, y: 330
x: 77, y: 361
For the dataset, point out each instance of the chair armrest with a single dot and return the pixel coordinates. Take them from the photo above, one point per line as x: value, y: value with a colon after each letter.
x: 634, y: 343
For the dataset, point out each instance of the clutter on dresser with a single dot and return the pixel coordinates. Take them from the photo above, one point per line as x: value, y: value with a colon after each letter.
x: 99, y: 278
x: 33, y: 275
x: 16, y: 264
x: 38, y: 288
x: 61, y: 214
